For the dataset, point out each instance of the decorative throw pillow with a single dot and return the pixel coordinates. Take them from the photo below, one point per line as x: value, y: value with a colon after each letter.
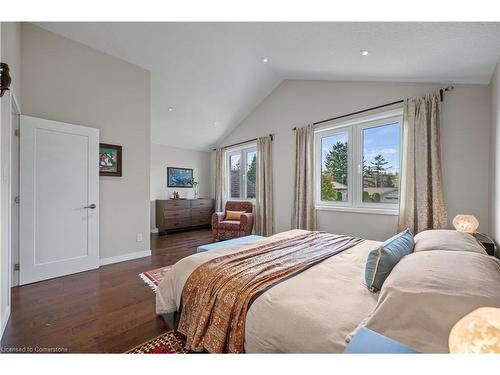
x: 382, y: 259
x: 234, y: 215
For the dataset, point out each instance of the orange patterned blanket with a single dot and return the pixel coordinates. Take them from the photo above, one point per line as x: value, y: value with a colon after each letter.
x: 217, y: 295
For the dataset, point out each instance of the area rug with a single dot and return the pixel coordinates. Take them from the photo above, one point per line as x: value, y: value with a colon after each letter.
x: 153, y: 277
x: 168, y: 343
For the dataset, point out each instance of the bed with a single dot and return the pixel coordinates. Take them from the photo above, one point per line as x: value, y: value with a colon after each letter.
x: 307, y: 302
x: 317, y: 310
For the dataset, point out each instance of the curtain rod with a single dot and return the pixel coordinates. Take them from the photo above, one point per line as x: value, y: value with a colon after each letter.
x: 242, y: 143
x: 441, y: 93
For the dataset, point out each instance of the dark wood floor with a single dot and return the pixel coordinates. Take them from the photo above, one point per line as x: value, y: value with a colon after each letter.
x: 108, y: 310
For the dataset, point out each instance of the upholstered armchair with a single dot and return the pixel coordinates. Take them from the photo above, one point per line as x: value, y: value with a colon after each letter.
x: 223, y: 229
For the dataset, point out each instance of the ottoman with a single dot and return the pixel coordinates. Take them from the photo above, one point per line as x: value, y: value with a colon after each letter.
x: 228, y: 243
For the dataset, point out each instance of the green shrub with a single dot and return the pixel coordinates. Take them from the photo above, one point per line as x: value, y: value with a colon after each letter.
x: 366, y: 196
x: 376, y: 197
x: 338, y: 196
x: 327, y: 191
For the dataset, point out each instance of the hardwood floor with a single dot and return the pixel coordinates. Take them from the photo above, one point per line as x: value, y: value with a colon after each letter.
x: 108, y: 310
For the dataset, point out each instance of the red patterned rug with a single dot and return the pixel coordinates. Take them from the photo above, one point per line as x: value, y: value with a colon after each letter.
x: 153, y: 277
x: 168, y: 343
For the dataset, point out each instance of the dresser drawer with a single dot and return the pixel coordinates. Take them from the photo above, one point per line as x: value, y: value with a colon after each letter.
x: 197, y: 203
x: 202, y: 211
x: 177, y: 223
x: 201, y: 220
x: 174, y: 204
x: 173, y: 214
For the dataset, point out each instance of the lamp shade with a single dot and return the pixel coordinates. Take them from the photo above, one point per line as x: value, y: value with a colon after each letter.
x: 477, y: 332
x: 465, y: 223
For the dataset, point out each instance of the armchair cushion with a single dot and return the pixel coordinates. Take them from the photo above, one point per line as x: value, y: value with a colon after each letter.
x: 234, y: 215
x: 231, y: 222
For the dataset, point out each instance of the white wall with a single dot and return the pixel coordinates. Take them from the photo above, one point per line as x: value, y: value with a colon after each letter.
x: 10, y: 53
x: 465, y: 137
x: 495, y: 155
x: 67, y: 81
x: 163, y: 156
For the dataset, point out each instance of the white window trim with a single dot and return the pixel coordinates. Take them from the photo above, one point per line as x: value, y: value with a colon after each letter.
x: 361, y: 210
x: 238, y: 150
x: 317, y: 165
x: 354, y: 128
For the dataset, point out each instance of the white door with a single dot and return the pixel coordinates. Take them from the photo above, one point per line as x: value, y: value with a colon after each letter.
x: 59, y: 199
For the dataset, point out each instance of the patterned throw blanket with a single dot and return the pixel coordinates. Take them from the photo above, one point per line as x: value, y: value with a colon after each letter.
x: 217, y: 295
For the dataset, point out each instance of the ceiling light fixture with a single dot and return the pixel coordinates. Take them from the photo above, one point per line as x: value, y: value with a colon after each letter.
x: 170, y: 109
x: 364, y: 52
x: 265, y: 60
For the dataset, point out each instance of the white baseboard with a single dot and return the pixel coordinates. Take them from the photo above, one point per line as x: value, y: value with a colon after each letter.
x: 5, y: 320
x: 124, y: 257
x: 155, y: 230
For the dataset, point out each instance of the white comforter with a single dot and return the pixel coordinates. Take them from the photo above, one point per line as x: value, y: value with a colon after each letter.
x: 312, y: 312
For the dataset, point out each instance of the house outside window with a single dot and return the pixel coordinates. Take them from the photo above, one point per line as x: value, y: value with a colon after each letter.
x: 357, y: 164
x: 241, y: 173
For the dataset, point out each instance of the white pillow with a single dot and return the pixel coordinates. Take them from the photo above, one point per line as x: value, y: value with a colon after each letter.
x: 428, y: 292
x: 445, y: 239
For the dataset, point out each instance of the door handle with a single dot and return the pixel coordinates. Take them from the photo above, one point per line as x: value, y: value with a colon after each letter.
x: 92, y: 206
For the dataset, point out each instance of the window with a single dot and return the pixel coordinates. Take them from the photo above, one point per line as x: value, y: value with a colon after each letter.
x: 381, y: 164
x: 251, y: 173
x: 335, y: 167
x: 358, y: 164
x: 235, y: 176
x: 241, y: 173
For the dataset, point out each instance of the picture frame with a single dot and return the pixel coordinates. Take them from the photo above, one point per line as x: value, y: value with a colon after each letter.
x: 179, y: 177
x: 110, y: 160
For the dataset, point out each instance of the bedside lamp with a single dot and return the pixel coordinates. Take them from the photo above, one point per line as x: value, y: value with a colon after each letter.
x: 466, y: 223
x: 477, y: 332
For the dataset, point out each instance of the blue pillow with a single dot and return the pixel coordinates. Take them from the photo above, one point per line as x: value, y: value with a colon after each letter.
x: 384, y: 258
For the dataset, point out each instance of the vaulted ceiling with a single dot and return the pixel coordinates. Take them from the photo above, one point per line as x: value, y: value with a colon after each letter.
x: 207, y: 77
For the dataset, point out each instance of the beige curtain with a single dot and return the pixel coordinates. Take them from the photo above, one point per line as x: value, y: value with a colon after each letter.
x: 422, y: 204
x: 264, y: 222
x: 303, y: 211
x: 220, y: 185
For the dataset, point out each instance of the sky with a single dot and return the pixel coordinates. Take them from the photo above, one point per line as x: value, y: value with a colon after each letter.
x: 382, y: 140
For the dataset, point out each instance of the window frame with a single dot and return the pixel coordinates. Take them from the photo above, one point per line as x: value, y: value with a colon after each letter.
x: 355, y: 128
x: 318, y: 164
x: 242, y: 152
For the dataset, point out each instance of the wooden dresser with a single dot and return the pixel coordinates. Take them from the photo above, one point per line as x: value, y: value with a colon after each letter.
x: 181, y: 214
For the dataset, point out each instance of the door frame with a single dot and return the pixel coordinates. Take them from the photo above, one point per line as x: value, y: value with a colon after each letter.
x: 14, y: 138
x: 8, y: 132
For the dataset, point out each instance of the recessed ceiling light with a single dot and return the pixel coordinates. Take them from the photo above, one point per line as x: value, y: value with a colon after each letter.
x: 265, y: 60
x: 364, y: 52
x: 170, y: 109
